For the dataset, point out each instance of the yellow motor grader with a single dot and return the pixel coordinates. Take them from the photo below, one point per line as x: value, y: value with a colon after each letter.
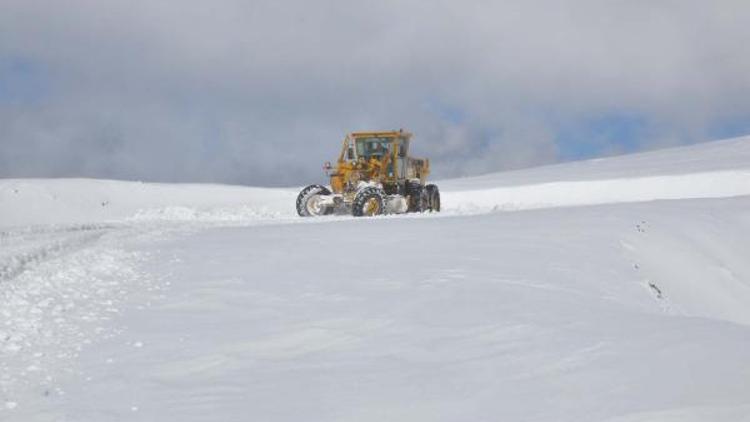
x: 374, y: 175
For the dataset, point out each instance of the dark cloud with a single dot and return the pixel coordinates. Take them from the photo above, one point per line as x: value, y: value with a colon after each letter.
x: 261, y: 92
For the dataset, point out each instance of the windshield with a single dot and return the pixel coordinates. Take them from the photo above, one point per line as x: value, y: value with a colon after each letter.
x: 372, y: 147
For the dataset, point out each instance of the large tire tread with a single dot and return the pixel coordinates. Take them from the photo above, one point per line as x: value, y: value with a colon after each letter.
x: 415, y: 191
x: 305, y: 195
x: 366, y: 194
x: 433, y: 198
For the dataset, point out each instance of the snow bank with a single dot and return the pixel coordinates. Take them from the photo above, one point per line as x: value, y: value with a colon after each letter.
x: 73, y: 201
x: 718, y: 184
x: 710, y: 170
x: 708, y: 157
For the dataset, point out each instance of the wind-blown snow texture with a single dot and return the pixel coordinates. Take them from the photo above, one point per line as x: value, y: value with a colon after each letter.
x: 618, y: 290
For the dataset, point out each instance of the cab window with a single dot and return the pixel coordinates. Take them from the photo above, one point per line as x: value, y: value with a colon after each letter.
x: 372, y: 147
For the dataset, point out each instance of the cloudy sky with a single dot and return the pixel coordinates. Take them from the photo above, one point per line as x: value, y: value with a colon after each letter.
x: 261, y: 92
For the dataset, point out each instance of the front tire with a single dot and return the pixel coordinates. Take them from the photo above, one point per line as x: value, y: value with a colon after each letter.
x: 308, y: 201
x: 368, y: 202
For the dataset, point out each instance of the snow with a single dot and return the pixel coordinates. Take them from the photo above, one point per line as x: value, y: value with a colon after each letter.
x: 25, y: 202
x: 616, y: 290
x: 575, y: 193
x: 716, y: 156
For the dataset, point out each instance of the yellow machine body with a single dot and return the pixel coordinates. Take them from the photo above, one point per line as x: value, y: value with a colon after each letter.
x: 374, y: 174
x: 382, y: 157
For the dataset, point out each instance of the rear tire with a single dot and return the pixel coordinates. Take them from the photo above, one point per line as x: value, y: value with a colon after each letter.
x: 433, y: 198
x: 416, y: 195
x: 368, y: 202
x: 305, y: 208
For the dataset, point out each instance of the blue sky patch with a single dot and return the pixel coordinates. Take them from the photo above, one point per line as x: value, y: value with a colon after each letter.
x: 616, y: 132
x: 22, y: 81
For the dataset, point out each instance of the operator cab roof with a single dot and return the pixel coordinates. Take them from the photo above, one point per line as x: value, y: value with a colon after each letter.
x: 388, y: 134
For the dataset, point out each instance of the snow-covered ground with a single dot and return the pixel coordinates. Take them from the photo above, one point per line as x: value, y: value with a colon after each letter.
x: 617, y: 290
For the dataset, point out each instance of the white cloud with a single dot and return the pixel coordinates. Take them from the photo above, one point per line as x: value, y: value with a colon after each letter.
x: 261, y: 92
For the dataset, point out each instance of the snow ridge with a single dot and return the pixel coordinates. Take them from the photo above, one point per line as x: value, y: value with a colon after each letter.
x: 720, y: 184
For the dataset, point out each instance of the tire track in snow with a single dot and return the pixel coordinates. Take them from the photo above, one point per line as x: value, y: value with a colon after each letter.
x: 22, y: 249
x: 61, y: 289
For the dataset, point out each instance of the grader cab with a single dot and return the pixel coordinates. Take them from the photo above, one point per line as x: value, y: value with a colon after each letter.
x: 373, y: 175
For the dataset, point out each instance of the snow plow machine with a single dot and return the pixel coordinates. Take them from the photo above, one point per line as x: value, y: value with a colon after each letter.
x: 374, y: 175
